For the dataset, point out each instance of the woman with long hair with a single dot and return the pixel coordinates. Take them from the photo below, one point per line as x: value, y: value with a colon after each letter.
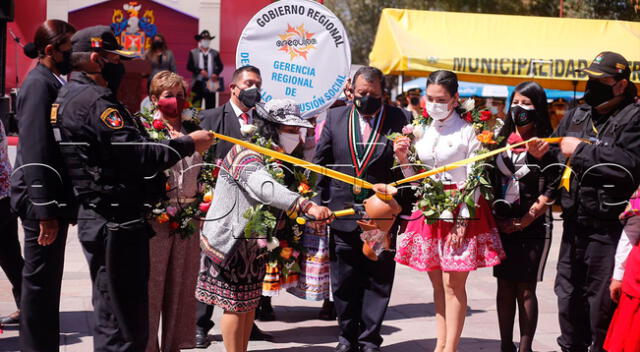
x: 523, y: 190
x: 40, y: 190
x: 457, y: 243
x: 160, y: 57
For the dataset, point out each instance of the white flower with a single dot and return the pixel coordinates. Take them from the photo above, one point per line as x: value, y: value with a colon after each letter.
x: 447, y: 216
x: 248, y: 130
x: 468, y: 104
x: 273, y: 244
x: 497, y: 127
x: 157, y: 211
x: 154, y: 135
x: 418, y: 131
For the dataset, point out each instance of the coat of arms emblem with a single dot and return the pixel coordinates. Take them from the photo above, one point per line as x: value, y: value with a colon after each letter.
x: 134, y: 32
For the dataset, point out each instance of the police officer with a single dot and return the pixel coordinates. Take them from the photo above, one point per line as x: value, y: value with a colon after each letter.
x: 116, y: 174
x: 601, y: 148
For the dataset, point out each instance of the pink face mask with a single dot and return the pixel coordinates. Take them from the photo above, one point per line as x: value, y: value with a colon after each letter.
x: 171, y: 107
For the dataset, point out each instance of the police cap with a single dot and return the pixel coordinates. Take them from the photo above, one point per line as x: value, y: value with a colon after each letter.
x: 98, y: 38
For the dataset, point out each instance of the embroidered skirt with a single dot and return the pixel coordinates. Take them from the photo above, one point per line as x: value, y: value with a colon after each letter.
x: 237, y: 287
x: 423, y: 247
x: 314, y: 282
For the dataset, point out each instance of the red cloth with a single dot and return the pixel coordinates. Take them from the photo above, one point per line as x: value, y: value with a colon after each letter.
x: 624, y: 331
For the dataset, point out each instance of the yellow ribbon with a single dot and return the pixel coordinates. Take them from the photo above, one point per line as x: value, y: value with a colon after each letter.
x: 457, y: 164
x: 565, y: 181
x: 364, y: 184
x: 296, y: 161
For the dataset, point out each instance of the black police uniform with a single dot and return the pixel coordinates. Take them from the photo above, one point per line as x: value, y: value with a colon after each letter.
x: 117, y: 173
x: 605, y: 174
x: 40, y: 190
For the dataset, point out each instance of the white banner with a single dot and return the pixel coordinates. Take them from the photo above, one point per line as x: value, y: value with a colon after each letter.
x: 302, y: 51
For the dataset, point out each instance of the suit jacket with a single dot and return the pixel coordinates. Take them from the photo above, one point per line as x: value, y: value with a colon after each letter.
x: 40, y: 177
x: 194, y: 59
x: 334, y: 150
x: 221, y: 120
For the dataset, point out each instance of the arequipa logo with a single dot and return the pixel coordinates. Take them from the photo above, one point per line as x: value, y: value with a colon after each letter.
x: 302, y: 51
x: 296, y: 41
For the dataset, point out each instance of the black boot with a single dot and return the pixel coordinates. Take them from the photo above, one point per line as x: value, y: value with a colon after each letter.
x: 328, y: 311
x: 265, y: 310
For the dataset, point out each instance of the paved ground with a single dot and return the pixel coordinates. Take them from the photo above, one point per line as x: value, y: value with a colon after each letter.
x: 409, y: 324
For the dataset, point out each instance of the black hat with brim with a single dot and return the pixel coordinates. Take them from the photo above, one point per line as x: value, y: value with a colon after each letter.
x: 608, y: 64
x: 204, y: 35
x: 99, y: 38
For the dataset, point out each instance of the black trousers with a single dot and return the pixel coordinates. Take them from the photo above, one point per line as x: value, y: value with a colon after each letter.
x: 201, y: 92
x: 41, y: 283
x: 118, y: 257
x: 585, y: 267
x: 361, y: 289
x: 204, y: 312
x: 10, y: 257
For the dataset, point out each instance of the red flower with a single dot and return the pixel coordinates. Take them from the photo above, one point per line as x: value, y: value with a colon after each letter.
x: 468, y: 117
x: 425, y: 113
x: 173, y: 225
x: 215, y: 172
x: 485, y: 115
x: 204, y: 207
x: 158, y: 124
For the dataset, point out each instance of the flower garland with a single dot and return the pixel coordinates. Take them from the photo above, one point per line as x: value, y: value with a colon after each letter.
x: 434, y: 200
x: 263, y: 224
x: 179, y: 217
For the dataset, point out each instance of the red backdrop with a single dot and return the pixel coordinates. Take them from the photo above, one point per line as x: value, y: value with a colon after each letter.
x: 177, y: 28
x: 28, y: 16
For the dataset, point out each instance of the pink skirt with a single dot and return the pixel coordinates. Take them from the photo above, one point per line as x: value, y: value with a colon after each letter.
x: 423, y: 247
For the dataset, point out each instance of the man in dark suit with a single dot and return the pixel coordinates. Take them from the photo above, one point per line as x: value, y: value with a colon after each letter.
x: 230, y: 119
x: 353, y: 142
x: 205, y: 65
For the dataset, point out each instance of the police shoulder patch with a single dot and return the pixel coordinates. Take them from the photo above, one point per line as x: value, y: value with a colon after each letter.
x: 111, y: 117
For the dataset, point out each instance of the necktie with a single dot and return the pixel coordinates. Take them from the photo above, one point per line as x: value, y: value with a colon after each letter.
x: 245, y: 117
x: 205, y: 62
x: 367, y: 128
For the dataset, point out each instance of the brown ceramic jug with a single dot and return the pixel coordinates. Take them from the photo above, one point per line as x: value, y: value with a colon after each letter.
x: 382, y: 210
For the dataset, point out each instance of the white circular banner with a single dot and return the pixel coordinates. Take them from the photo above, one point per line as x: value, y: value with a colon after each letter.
x: 302, y: 51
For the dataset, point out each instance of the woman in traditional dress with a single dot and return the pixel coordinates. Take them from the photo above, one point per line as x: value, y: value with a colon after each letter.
x: 233, y: 262
x: 456, y: 244
x: 174, y: 251
x: 300, y: 143
x: 523, y: 187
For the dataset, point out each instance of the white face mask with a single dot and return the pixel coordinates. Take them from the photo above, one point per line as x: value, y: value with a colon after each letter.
x: 289, y: 141
x: 205, y: 43
x: 439, y: 111
x: 494, y: 110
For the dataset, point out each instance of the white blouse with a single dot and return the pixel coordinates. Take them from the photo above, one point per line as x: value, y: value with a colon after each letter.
x: 444, y: 142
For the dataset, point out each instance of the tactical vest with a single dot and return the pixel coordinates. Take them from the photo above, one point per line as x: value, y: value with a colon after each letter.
x: 96, y: 185
x: 589, y: 200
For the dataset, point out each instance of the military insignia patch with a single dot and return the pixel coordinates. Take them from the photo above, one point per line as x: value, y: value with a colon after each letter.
x: 111, y: 117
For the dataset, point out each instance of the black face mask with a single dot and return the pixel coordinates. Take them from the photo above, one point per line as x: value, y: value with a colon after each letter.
x: 415, y: 100
x: 367, y: 105
x: 521, y: 116
x: 249, y: 97
x: 597, y: 93
x: 113, y: 73
x: 64, y: 66
x: 156, y: 45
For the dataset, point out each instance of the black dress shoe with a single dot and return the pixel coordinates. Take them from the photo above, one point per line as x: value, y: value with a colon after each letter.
x: 202, y: 340
x: 259, y: 335
x: 343, y: 348
x: 11, y: 319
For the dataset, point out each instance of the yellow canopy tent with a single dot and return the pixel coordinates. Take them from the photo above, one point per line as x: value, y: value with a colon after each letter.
x: 498, y: 48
